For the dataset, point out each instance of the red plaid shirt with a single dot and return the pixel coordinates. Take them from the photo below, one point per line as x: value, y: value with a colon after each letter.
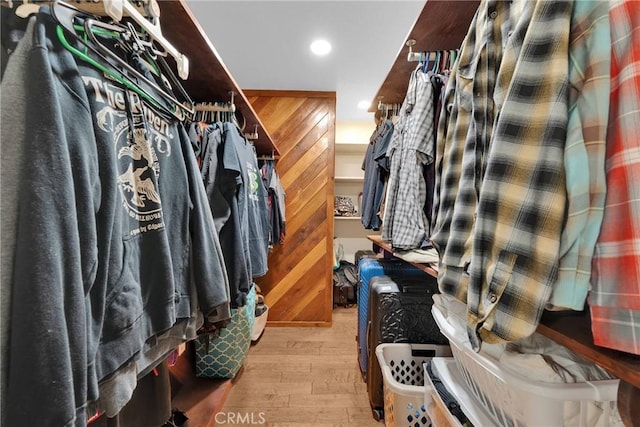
x: 615, y: 295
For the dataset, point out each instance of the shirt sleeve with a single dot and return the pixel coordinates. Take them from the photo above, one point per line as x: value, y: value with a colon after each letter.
x: 55, y: 253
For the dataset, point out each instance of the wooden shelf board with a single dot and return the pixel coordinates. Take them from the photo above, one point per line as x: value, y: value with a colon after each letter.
x: 442, y: 25
x: 384, y: 245
x: 209, y: 79
x: 572, y: 329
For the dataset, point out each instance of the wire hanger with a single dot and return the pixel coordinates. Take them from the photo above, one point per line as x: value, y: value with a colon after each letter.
x: 436, y: 63
x: 66, y: 16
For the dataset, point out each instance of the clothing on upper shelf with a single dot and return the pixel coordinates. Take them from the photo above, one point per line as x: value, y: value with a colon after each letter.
x: 500, y: 187
x: 114, y: 233
x: 615, y: 296
x: 376, y: 171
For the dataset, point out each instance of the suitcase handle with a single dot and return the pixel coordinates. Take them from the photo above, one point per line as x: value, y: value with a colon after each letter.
x: 415, y: 288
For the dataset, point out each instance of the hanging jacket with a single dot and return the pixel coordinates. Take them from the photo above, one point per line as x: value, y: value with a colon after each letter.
x: 109, y: 214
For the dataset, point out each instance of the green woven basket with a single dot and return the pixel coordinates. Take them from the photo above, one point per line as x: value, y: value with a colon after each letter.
x: 223, y: 356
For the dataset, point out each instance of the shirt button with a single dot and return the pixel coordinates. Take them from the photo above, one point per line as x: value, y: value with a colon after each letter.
x: 493, y: 15
x: 493, y: 298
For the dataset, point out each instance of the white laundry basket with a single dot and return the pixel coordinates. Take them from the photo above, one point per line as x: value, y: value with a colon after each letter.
x: 513, y: 400
x: 403, y: 377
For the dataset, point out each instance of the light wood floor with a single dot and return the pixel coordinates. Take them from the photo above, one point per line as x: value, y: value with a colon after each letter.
x: 296, y: 377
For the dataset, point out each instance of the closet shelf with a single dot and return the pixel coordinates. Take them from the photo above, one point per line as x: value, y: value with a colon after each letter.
x: 441, y: 25
x: 349, y: 178
x: 209, y: 80
x: 347, y: 217
x: 386, y: 247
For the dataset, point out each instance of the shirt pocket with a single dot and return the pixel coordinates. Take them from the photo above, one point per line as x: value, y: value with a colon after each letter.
x: 464, y: 84
x: 124, y: 302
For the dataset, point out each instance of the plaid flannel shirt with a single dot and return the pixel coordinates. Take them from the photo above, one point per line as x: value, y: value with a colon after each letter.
x: 589, y: 76
x: 405, y: 223
x: 500, y: 196
x: 615, y: 296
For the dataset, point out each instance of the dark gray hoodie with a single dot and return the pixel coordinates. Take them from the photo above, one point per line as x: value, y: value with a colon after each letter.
x: 110, y: 212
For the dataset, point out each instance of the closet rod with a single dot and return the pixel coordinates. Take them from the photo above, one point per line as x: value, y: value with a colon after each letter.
x: 219, y: 107
x: 418, y: 56
x: 216, y: 107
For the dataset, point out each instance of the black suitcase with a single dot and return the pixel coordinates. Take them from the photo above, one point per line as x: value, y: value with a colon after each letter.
x: 369, y: 268
x: 344, y: 295
x: 400, y: 312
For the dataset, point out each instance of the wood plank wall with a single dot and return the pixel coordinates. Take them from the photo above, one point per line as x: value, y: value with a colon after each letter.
x: 299, y: 285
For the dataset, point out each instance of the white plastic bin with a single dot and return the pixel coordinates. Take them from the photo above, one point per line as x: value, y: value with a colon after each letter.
x: 513, y: 400
x: 437, y: 410
x: 403, y: 377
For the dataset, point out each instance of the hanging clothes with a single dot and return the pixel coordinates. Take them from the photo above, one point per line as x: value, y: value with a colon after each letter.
x: 280, y: 195
x: 218, y: 167
x: 376, y: 171
x: 252, y: 199
x: 275, y: 202
x: 584, y: 154
x: 615, y: 297
x: 411, y: 148
x: 500, y: 191
x: 113, y: 230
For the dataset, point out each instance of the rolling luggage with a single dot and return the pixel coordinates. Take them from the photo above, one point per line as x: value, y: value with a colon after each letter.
x: 363, y: 254
x: 400, y: 312
x: 368, y: 268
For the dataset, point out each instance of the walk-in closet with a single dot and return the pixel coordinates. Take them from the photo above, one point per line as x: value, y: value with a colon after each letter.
x: 320, y: 213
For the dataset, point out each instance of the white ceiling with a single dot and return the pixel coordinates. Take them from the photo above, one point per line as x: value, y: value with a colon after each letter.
x: 265, y: 44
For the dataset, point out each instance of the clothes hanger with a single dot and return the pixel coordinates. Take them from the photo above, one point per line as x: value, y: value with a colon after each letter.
x: 129, y: 33
x: 425, y: 65
x: 66, y: 16
x: 25, y: 9
x: 436, y: 62
x: 115, y: 9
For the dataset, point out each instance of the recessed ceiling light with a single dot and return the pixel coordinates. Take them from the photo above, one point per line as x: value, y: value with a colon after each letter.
x: 320, y: 47
x: 364, y: 105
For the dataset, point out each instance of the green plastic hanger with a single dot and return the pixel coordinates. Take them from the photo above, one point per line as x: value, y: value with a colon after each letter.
x: 65, y: 15
x: 108, y: 71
